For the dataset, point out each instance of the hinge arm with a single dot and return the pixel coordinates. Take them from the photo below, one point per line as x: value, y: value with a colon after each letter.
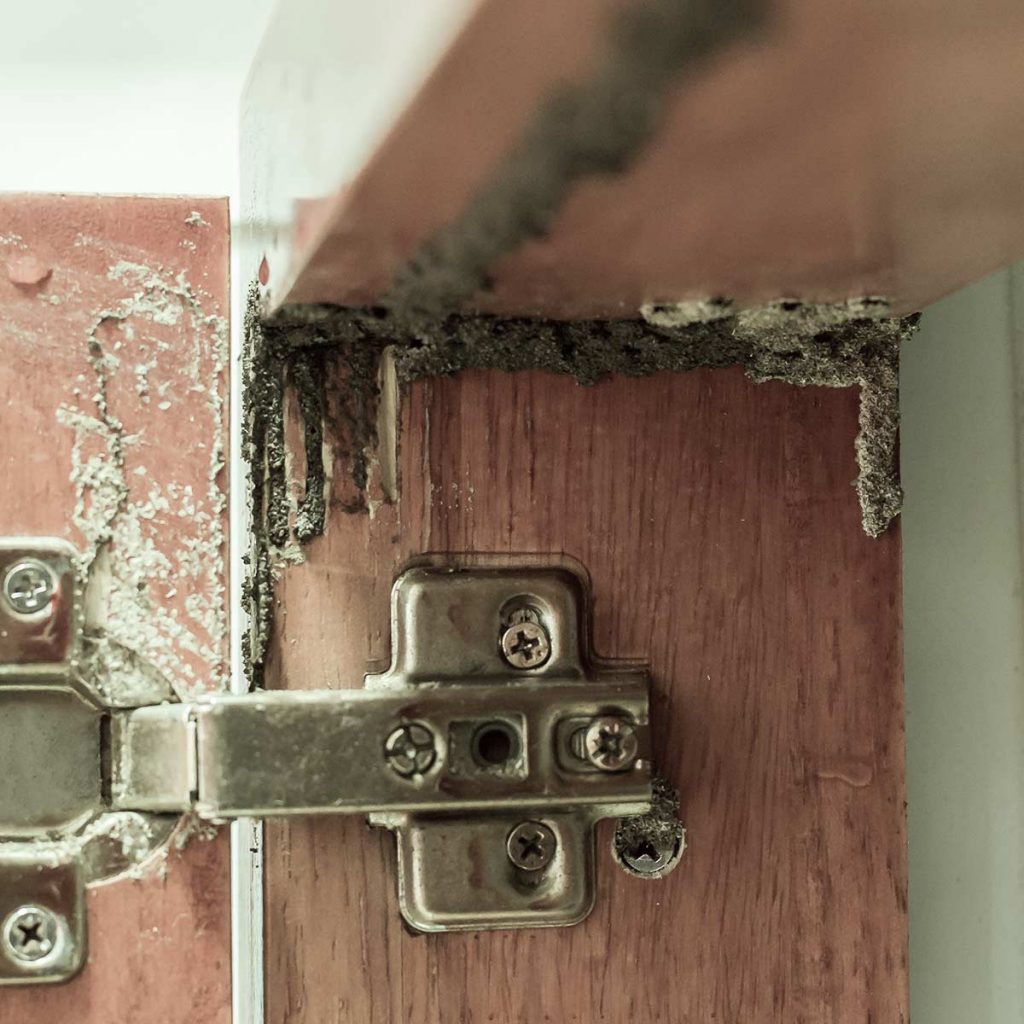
x: 286, y: 753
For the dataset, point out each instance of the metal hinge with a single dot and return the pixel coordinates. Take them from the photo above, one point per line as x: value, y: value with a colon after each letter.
x: 492, y: 746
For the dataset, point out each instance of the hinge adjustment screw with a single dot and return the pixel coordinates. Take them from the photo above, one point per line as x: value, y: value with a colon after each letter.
x: 410, y: 750
x: 610, y: 743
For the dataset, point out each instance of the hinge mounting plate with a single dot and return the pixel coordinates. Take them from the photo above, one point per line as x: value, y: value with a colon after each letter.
x: 525, y: 857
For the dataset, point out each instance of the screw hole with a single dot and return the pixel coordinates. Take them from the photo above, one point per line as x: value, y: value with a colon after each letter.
x: 495, y: 744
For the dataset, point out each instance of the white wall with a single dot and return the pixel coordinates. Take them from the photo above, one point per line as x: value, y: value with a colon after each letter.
x: 124, y: 95
x: 964, y: 649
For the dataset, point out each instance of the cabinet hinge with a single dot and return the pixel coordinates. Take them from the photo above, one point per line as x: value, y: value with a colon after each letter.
x: 492, y: 746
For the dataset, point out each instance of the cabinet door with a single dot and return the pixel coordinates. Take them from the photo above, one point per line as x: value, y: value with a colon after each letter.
x: 724, y: 544
x: 113, y: 377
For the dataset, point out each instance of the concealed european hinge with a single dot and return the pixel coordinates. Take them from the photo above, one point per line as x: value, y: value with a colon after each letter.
x: 492, y: 746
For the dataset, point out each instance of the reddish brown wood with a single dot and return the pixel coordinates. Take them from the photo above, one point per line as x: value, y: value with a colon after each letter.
x: 718, y: 523
x: 113, y: 333
x: 846, y: 149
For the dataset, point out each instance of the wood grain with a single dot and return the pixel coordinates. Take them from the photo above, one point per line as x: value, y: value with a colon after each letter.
x: 718, y: 523
x: 113, y: 386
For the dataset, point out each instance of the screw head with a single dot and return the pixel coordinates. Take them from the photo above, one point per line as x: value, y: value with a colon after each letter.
x: 531, y: 845
x: 652, y: 854
x: 29, y: 586
x: 526, y: 645
x: 610, y: 743
x: 30, y: 934
x: 410, y: 750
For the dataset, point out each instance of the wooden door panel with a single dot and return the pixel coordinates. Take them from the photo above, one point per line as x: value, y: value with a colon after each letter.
x: 799, y: 148
x: 113, y: 380
x: 722, y: 535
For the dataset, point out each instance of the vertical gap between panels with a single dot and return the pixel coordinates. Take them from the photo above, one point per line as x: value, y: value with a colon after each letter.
x: 247, y: 1002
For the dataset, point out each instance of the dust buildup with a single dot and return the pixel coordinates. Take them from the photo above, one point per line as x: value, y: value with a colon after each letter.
x: 848, y: 344
x: 136, y: 649
x: 306, y: 376
x: 658, y: 830
x: 301, y: 362
x: 263, y: 452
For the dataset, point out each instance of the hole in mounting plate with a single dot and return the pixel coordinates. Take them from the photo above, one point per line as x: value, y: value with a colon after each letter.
x: 495, y: 744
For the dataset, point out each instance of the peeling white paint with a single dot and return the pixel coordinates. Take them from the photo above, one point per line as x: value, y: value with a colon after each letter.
x: 154, y: 600
x: 682, y: 314
x: 792, y: 314
x: 115, y: 845
x: 142, y: 372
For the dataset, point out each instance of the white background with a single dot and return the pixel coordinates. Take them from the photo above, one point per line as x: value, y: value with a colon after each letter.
x: 124, y: 95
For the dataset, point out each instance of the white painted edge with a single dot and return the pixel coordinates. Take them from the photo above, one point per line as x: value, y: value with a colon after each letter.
x: 247, y: 948
x: 247, y: 1003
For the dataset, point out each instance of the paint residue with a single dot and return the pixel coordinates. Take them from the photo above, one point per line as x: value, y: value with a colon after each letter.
x: 154, y: 593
